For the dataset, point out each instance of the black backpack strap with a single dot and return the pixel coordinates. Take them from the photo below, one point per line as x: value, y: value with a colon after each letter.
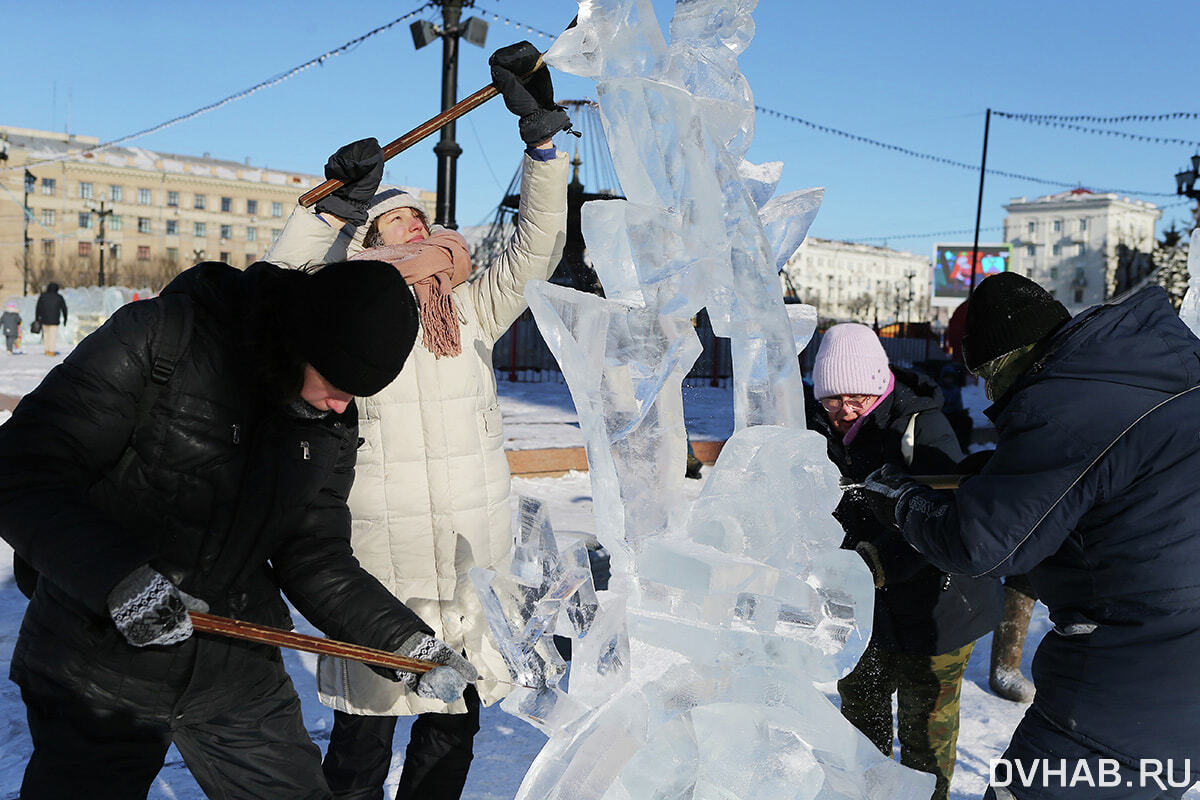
x: 174, y: 333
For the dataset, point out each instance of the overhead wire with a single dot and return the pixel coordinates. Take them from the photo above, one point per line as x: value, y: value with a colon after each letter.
x: 1034, y: 119
x: 948, y: 161
x: 280, y: 78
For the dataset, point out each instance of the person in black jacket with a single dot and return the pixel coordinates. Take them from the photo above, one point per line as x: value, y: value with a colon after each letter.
x: 1092, y: 491
x: 925, y: 621
x: 196, y: 453
x: 51, y: 310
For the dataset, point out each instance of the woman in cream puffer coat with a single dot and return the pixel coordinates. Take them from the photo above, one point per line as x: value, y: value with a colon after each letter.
x: 431, y: 489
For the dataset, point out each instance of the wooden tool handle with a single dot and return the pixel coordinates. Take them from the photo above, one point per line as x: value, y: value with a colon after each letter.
x: 264, y: 634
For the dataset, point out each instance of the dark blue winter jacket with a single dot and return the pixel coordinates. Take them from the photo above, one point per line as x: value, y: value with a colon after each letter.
x: 1093, y: 490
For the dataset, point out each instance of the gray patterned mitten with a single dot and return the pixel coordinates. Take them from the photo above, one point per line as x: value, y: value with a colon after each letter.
x: 148, y: 609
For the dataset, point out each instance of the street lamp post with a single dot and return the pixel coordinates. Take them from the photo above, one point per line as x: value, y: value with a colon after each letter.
x: 102, y: 213
x: 1185, y: 184
x: 29, y: 181
x: 474, y: 30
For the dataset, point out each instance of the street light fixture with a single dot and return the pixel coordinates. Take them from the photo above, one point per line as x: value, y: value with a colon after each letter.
x: 1185, y: 184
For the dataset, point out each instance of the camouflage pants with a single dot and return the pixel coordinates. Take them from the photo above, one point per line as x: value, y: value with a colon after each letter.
x: 927, y: 690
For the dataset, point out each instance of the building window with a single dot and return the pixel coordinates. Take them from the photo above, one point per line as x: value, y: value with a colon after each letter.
x: 85, y: 248
x: 116, y: 193
x: 226, y: 231
x: 1031, y: 227
x: 227, y: 204
x: 143, y: 252
x: 251, y: 234
x: 198, y: 202
x: 1082, y: 225
x: 1056, y: 250
x: 172, y: 227
x: 172, y: 255
x: 275, y: 234
x: 249, y: 259
x: 276, y: 209
x: 1058, y: 226
x: 143, y: 224
x: 1080, y: 249
x: 1079, y: 295
x: 251, y: 207
x: 1054, y: 273
x: 1079, y: 276
x: 225, y: 257
x: 198, y: 229
x: 47, y: 247
x: 85, y: 191
x: 172, y: 199
x: 48, y: 216
x: 114, y: 251
x: 1030, y: 250
x: 48, y: 186
x: 85, y: 219
x: 114, y: 222
x: 144, y: 197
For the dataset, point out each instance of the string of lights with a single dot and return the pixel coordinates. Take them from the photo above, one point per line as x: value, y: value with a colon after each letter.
x: 1174, y: 115
x: 934, y: 235
x: 948, y: 161
x: 280, y: 78
x: 1051, y: 123
x: 520, y: 26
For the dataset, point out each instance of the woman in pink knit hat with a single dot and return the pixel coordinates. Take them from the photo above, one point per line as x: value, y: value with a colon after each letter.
x: 925, y: 621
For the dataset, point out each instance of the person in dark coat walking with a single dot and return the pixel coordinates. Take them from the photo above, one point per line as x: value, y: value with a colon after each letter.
x: 1092, y: 491
x: 196, y: 453
x: 10, y: 323
x: 925, y: 621
x: 51, y: 310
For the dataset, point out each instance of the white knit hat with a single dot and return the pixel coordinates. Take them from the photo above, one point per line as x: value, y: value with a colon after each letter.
x: 850, y: 361
x: 385, y: 200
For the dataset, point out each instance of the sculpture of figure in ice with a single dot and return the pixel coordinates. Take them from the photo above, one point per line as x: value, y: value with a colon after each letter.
x: 696, y: 675
x: 1189, y: 311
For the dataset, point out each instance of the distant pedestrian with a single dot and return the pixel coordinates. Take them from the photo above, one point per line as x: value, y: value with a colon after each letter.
x: 51, y: 311
x: 10, y: 323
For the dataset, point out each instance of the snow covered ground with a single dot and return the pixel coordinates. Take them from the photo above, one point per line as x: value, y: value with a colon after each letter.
x: 535, y: 415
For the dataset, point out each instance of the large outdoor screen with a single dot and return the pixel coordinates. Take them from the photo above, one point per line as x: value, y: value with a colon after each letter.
x: 952, y: 267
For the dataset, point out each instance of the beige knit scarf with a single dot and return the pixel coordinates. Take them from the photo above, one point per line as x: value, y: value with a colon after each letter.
x: 432, y: 267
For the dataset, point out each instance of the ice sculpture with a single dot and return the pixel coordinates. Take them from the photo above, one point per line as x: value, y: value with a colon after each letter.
x: 1189, y: 311
x: 695, y: 676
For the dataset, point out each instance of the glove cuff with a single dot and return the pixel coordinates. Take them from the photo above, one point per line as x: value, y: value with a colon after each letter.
x: 538, y: 126
x: 351, y: 211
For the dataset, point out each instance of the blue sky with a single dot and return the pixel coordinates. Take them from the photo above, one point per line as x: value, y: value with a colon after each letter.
x: 917, y: 75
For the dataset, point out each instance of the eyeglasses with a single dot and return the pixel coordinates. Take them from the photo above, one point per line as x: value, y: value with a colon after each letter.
x: 854, y: 402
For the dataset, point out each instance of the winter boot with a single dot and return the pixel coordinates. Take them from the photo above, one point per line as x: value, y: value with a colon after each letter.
x: 1008, y: 641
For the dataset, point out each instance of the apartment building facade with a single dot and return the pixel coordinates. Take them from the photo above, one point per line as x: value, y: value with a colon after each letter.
x: 149, y: 215
x: 1084, y: 248
x: 849, y: 282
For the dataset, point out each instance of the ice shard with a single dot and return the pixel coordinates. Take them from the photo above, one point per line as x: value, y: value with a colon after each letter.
x: 696, y: 674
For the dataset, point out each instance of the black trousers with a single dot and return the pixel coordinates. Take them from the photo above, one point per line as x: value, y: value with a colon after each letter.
x: 440, y: 749
x: 258, y: 749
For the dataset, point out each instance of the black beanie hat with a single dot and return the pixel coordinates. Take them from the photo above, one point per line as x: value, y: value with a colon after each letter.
x: 1006, y: 312
x: 355, y: 323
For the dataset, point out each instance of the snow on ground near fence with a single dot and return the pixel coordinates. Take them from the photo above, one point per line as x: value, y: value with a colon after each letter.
x: 535, y: 415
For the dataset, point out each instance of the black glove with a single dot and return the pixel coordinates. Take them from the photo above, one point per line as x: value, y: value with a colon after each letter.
x: 359, y: 166
x: 148, y: 609
x: 445, y: 683
x: 532, y: 101
x: 885, y: 490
